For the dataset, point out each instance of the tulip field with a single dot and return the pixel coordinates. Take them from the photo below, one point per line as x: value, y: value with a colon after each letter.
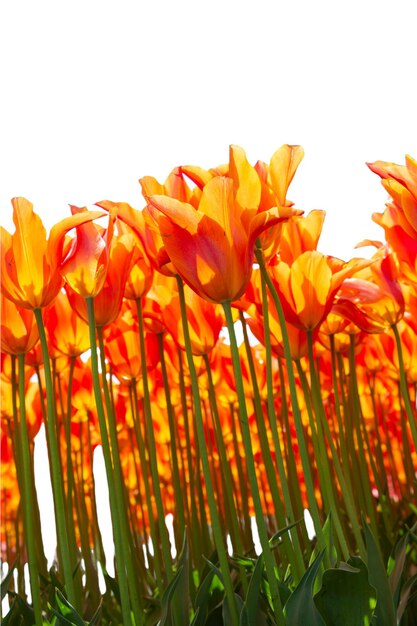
x: 255, y: 391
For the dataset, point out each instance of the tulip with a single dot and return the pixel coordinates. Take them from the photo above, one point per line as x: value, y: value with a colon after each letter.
x: 29, y: 261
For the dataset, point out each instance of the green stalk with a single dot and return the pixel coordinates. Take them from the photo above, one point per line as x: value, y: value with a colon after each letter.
x: 226, y: 472
x: 178, y: 492
x: 55, y: 466
x: 411, y: 415
x: 293, y: 486
x: 244, y: 492
x: 291, y: 543
x: 197, y: 529
x: 148, y: 495
x: 356, y: 413
x: 215, y: 522
x: 250, y: 464
x: 27, y: 496
x: 163, y: 531
x: 314, y: 510
x: 121, y: 500
x: 120, y: 543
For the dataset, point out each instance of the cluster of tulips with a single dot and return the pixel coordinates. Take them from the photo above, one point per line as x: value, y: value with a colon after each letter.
x: 232, y: 374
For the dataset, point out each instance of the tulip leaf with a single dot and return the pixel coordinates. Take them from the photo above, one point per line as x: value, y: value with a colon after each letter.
x: 250, y: 611
x: 396, y: 565
x: 4, y: 585
x: 384, y: 614
x: 275, y: 540
x: 227, y: 618
x: 66, y: 614
x: 300, y: 607
x: 202, y: 600
x: 407, y: 595
x: 166, y: 600
x: 346, y: 597
x: 20, y: 613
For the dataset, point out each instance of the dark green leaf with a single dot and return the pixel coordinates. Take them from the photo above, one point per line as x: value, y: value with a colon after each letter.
x: 275, y: 540
x: 250, y: 611
x: 300, y: 607
x: 66, y: 610
x: 97, y: 615
x: 227, y: 618
x: 384, y: 614
x: 167, y: 599
x: 405, y: 597
x: 4, y: 585
x: 346, y: 597
x: 396, y: 565
x: 202, y: 600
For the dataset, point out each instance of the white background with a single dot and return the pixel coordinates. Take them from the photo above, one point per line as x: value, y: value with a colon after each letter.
x: 94, y: 95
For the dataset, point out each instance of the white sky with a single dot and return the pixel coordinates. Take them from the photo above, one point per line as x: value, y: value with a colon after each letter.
x: 95, y: 95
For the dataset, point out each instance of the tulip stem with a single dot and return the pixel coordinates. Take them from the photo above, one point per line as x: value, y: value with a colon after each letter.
x: 55, y: 466
x: 215, y: 522
x: 27, y: 496
x: 150, y: 434
x: 119, y: 545
x: 250, y: 464
x: 314, y: 510
x: 411, y: 416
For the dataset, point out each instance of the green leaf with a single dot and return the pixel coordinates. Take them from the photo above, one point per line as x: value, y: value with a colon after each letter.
x: 250, y: 611
x: 227, y: 618
x: 244, y: 561
x: 384, y: 614
x: 97, y: 615
x: 275, y: 540
x: 346, y: 597
x: 65, y: 613
x: 167, y: 598
x: 202, y: 600
x: 300, y: 607
x: 20, y: 613
x: 396, y: 565
x: 182, y: 593
x: 215, y: 569
x: 406, y: 597
x: 4, y: 585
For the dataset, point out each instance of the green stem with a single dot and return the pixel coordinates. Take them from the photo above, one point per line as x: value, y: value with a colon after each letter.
x: 27, y: 499
x: 226, y: 472
x: 291, y: 544
x: 411, y: 415
x: 121, y: 499
x: 120, y: 546
x: 215, y: 522
x: 356, y: 415
x: 163, y: 531
x: 314, y: 510
x: 55, y: 466
x: 250, y: 464
x: 147, y: 482
x: 179, y: 528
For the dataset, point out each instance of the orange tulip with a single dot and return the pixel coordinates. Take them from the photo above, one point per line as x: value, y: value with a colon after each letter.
x: 399, y: 219
x: 29, y: 261
x: 18, y: 329
x: 85, y: 264
x: 112, y: 281
x: 300, y: 234
x: 67, y: 332
x: 377, y: 303
x: 308, y: 287
x: 212, y: 248
x: 205, y: 321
